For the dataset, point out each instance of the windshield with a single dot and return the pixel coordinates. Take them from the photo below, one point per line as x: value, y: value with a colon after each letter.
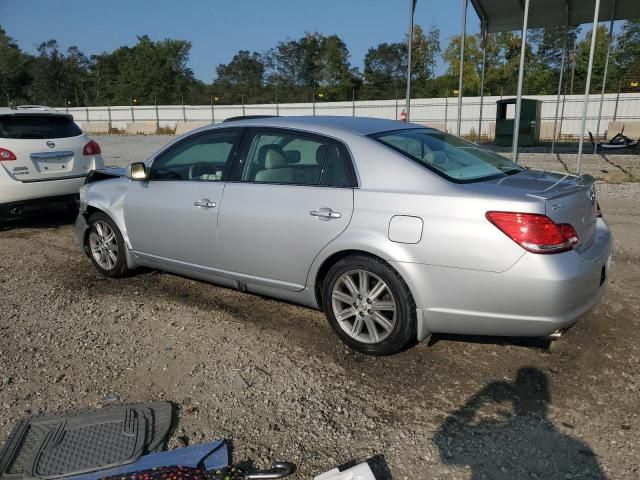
x: 36, y: 127
x: 448, y: 155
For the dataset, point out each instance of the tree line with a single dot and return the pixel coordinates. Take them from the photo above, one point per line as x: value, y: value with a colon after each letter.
x: 314, y: 67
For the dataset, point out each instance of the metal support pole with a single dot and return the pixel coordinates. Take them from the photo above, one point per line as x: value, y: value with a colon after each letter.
x: 242, y: 99
x: 277, y: 104
x: 313, y: 100
x: 555, y: 119
x: 484, y: 61
x: 604, y: 78
x: 86, y: 109
x: 133, y: 118
x: 523, y: 50
x: 184, y: 110
x: 460, y: 83
x: 615, y: 110
x: 213, y: 112
x: 564, y: 103
x: 412, y: 7
x: 157, y: 115
x: 585, y: 104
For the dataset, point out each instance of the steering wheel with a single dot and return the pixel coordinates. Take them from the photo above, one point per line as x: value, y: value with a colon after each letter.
x: 198, y: 169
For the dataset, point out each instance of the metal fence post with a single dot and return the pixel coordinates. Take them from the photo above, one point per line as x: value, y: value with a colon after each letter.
x: 446, y: 112
x: 313, y: 100
x: 396, y: 105
x: 109, y: 115
x: 213, y: 113
x: 184, y: 110
x: 353, y: 102
x: 155, y: 101
x: 243, y: 105
x: 86, y: 109
x: 277, y: 104
x: 133, y: 117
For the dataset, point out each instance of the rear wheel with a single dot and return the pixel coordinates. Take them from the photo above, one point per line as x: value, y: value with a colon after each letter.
x: 369, y: 306
x: 105, y: 246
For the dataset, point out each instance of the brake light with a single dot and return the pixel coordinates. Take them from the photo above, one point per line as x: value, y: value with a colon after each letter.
x: 91, y: 148
x: 534, y: 232
x: 6, y: 155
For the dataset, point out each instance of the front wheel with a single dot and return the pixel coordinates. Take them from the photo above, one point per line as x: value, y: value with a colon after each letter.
x: 105, y: 246
x: 369, y: 306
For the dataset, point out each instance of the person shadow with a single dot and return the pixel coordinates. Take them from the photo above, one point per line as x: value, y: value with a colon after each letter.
x: 502, y: 432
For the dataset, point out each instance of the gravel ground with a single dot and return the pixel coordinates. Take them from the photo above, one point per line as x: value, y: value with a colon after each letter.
x: 273, y: 379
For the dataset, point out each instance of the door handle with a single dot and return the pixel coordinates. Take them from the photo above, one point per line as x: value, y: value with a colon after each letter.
x: 325, y: 213
x: 204, y: 203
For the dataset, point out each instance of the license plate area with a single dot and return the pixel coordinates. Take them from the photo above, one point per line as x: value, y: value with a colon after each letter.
x: 53, y: 162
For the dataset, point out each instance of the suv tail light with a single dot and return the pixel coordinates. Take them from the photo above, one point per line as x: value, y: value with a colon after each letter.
x: 6, y: 155
x: 91, y: 148
x: 534, y: 232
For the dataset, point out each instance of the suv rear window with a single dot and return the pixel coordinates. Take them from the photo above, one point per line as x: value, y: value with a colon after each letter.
x: 447, y: 155
x: 38, y: 127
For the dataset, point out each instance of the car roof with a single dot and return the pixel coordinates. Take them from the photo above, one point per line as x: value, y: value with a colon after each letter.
x: 32, y: 110
x: 358, y: 125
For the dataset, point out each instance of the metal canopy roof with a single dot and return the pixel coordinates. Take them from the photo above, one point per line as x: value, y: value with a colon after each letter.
x: 506, y: 15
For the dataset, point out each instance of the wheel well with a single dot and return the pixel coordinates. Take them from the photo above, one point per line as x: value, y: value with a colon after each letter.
x: 330, y: 261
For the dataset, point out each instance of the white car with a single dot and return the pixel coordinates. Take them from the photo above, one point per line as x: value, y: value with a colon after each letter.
x: 44, y: 158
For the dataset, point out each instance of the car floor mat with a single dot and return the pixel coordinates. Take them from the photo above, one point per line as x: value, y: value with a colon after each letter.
x: 47, y: 446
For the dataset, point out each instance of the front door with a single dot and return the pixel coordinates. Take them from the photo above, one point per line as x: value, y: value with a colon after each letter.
x: 174, y: 214
x: 291, y: 195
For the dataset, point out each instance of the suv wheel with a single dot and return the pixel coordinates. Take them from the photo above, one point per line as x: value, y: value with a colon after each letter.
x: 369, y: 306
x: 105, y: 246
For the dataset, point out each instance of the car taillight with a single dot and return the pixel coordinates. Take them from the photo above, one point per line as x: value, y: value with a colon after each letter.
x: 6, y: 155
x: 91, y: 148
x: 534, y: 232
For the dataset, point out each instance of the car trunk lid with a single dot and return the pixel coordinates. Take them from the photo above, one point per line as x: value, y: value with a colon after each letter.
x: 568, y: 198
x: 46, y: 147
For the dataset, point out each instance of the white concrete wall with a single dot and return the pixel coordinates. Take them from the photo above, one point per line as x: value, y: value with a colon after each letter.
x: 435, y: 111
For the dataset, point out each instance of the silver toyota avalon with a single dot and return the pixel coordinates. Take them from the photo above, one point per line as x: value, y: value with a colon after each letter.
x: 394, y: 230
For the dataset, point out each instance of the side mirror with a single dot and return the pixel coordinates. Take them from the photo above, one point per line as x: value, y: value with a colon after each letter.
x: 137, y: 171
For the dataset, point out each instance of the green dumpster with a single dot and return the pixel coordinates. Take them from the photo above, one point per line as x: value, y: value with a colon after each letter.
x: 529, y: 130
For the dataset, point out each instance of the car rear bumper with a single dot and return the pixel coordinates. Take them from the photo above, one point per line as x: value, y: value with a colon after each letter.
x: 539, y: 295
x: 14, y: 192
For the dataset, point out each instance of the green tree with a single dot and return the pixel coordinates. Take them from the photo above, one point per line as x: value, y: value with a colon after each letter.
x: 243, y: 75
x: 627, y: 54
x: 14, y: 70
x: 599, y: 60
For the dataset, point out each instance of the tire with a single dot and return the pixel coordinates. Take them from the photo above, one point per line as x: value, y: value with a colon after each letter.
x: 379, y: 319
x: 109, y: 258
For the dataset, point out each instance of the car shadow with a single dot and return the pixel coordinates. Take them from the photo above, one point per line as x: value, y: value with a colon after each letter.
x: 503, y: 432
x: 54, y: 216
x: 530, y: 342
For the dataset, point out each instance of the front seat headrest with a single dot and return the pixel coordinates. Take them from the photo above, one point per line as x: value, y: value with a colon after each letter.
x: 274, y: 158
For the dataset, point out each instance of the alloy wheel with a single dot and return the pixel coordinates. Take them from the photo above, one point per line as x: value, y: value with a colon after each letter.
x: 364, y: 306
x: 103, y: 245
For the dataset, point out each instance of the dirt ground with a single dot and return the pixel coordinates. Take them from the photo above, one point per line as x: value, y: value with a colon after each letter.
x: 272, y: 378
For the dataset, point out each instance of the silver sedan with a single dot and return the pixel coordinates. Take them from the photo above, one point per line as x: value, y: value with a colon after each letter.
x: 394, y: 230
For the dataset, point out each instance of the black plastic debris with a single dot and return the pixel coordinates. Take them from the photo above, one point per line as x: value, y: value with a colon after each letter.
x: 48, y: 446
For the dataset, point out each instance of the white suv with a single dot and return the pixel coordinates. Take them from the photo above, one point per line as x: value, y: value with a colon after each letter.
x: 44, y: 158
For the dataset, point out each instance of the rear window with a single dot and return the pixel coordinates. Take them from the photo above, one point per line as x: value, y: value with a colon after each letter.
x: 447, y: 155
x: 38, y: 127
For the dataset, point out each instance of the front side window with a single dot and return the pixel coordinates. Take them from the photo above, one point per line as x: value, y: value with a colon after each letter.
x: 448, y: 155
x: 201, y: 158
x: 292, y: 158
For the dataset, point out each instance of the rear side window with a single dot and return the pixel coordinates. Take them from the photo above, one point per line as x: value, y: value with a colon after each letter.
x: 447, y: 155
x: 37, y: 127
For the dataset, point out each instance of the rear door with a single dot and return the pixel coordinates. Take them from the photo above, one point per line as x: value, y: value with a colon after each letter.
x: 46, y: 147
x: 291, y: 194
x: 173, y: 216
